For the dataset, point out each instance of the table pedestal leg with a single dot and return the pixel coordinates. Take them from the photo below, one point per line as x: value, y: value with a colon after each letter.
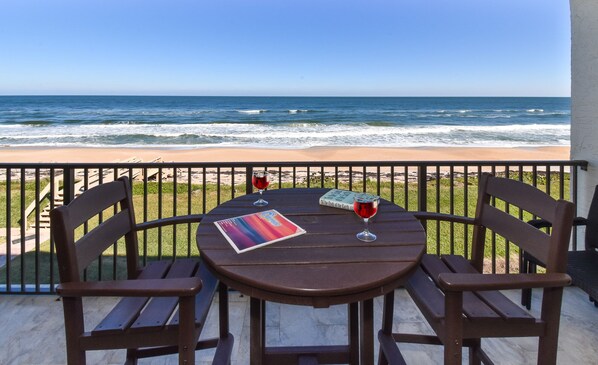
x: 354, y: 333
x: 257, y: 333
x: 366, y: 328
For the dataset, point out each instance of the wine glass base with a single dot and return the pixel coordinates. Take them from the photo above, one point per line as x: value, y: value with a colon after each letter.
x: 260, y: 203
x: 366, y: 236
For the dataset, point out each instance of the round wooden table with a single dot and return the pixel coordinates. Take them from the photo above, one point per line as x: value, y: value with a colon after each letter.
x: 328, y: 265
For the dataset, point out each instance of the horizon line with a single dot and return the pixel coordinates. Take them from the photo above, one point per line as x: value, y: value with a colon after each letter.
x: 293, y: 96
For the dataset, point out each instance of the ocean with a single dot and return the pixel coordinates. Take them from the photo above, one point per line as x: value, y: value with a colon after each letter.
x: 181, y: 122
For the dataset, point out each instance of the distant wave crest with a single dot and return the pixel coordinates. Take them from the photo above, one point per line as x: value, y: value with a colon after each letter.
x: 37, y: 122
x: 252, y: 111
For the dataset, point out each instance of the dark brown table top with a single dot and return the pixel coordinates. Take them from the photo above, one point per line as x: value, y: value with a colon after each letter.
x: 327, y: 265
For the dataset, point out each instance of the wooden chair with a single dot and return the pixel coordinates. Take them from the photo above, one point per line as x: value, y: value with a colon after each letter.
x: 165, y: 303
x: 462, y: 305
x: 582, y: 265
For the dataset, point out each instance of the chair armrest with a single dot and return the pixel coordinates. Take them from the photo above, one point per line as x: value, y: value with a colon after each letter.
x: 424, y: 216
x: 580, y: 221
x: 175, y: 287
x: 542, y: 223
x: 481, y: 282
x: 180, y: 219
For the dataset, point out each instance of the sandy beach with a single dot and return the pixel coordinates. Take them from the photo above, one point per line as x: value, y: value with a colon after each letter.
x: 32, y: 155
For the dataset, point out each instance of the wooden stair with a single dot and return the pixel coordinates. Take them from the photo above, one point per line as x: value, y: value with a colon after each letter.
x: 93, y: 178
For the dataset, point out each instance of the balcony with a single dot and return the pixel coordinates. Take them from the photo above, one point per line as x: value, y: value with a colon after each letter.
x: 165, y: 189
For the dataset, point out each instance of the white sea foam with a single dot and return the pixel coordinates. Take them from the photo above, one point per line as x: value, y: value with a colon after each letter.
x: 535, y: 110
x: 295, y: 111
x: 294, y: 135
x: 252, y: 111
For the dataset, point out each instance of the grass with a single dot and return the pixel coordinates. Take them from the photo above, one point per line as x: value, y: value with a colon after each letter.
x: 161, y: 200
x: 15, y: 199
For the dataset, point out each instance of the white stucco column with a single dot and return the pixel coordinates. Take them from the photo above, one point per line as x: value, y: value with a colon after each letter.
x: 584, y: 95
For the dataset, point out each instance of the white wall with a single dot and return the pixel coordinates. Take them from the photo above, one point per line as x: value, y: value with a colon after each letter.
x: 584, y: 95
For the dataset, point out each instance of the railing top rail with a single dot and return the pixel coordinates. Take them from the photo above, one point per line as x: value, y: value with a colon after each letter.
x: 448, y: 163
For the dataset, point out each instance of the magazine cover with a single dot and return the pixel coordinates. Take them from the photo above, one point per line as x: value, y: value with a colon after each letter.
x: 251, y: 231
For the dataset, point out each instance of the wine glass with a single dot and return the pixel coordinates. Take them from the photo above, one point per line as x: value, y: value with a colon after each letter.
x: 261, y: 182
x: 366, y: 206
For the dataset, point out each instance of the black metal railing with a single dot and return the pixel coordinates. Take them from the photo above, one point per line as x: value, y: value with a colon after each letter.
x: 29, y: 191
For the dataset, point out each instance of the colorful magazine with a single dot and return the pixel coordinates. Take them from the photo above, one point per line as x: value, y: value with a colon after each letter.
x: 251, y: 231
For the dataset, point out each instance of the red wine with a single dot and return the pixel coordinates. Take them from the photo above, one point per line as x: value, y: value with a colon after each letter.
x: 260, y: 182
x: 365, y: 209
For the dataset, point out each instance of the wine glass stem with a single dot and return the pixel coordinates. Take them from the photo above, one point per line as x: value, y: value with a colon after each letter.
x: 260, y: 190
x: 366, y: 230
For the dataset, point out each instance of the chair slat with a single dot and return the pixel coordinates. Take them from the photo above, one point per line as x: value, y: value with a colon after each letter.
x: 307, y: 360
x: 494, y: 299
x: 127, y: 310
x: 159, y: 310
x: 203, y: 300
x: 527, y: 237
x: 523, y: 196
x: 90, y: 246
x: 425, y: 294
x: 473, y: 307
x: 94, y: 201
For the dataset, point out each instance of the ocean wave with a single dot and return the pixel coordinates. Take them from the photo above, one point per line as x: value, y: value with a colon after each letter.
x: 252, y: 111
x: 452, y: 111
x: 301, y: 123
x: 235, y: 122
x: 36, y: 122
x: 288, y: 123
x: 380, y: 124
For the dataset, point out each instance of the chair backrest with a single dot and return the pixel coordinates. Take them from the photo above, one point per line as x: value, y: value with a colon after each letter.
x: 592, y: 226
x: 75, y: 254
x: 550, y: 249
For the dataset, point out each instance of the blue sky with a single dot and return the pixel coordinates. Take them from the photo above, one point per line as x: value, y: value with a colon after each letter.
x: 286, y: 47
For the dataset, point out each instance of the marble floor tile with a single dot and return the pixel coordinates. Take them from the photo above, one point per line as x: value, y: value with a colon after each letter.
x: 31, y: 323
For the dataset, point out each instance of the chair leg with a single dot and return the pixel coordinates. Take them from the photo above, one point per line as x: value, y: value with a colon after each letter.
x: 226, y: 339
x: 73, y: 326
x: 526, y: 294
x: 453, y: 339
x: 223, y: 310
x: 131, y: 357
x: 187, y: 340
x: 474, y: 359
x: 551, y: 310
x: 387, y: 319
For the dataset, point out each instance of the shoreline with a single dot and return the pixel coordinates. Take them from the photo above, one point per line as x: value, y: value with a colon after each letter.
x: 311, y: 154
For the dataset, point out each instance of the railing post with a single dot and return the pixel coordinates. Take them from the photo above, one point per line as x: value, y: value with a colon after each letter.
x: 8, y: 231
x: 422, y: 188
x: 68, y: 189
x: 574, y: 193
x: 248, y: 184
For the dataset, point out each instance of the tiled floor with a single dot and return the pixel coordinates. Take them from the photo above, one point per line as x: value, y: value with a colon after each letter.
x: 31, y: 331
